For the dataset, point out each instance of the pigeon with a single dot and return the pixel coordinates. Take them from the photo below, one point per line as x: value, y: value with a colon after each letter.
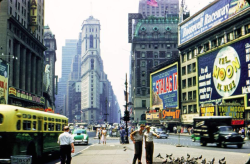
x: 204, y: 161
x: 165, y: 161
x: 159, y: 156
x: 222, y: 159
x: 188, y: 156
x: 124, y: 149
x: 200, y: 157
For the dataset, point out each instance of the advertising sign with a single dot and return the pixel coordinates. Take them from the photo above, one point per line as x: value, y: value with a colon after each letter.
x: 4, y: 77
x: 172, y: 114
x: 224, y: 72
x: 164, y: 88
x: 212, y: 16
x: 148, y: 116
x: 208, y: 111
x: 33, y: 15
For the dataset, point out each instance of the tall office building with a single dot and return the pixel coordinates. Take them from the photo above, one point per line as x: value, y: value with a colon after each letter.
x: 164, y: 8
x: 21, y: 46
x: 91, y: 70
x: 68, y: 53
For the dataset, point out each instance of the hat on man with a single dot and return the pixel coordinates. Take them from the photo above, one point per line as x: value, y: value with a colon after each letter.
x: 147, y: 127
x: 66, y: 128
x: 142, y: 125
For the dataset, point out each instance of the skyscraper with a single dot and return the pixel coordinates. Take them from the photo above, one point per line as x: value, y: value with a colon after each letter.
x: 68, y: 53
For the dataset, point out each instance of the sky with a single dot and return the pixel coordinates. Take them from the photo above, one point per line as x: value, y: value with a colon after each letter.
x: 65, y: 18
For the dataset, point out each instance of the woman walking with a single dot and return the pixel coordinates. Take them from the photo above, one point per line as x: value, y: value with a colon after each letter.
x: 149, y: 144
x: 104, y: 134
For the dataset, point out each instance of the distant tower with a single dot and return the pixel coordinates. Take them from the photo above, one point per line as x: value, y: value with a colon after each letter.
x: 91, y: 70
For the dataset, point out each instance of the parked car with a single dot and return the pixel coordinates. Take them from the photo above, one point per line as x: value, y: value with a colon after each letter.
x: 163, y: 134
x: 80, y: 136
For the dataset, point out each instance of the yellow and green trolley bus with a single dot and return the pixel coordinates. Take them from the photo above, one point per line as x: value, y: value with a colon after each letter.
x: 29, y: 132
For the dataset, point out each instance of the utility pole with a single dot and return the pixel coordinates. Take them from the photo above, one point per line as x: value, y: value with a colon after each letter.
x: 126, y: 113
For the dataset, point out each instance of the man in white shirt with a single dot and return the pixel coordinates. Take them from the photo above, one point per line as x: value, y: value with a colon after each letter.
x: 66, y: 146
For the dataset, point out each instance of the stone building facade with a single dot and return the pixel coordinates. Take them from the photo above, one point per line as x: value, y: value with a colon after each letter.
x: 21, y: 42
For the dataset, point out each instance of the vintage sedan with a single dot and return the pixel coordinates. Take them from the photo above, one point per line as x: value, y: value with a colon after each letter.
x: 80, y: 136
x: 163, y: 134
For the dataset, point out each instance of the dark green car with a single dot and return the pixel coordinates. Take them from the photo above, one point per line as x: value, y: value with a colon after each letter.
x: 195, y: 138
x: 80, y: 136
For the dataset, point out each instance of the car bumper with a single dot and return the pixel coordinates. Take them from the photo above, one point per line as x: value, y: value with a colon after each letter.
x: 80, y: 141
x: 234, y: 143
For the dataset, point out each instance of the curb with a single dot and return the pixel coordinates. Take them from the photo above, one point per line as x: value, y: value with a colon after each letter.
x: 109, y: 138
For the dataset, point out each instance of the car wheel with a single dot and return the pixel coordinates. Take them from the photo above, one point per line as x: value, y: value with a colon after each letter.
x: 239, y: 146
x: 223, y: 145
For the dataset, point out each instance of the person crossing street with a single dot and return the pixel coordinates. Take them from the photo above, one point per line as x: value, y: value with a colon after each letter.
x: 137, y: 138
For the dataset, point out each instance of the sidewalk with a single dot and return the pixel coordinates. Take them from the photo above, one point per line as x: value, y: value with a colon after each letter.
x: 113, y: 153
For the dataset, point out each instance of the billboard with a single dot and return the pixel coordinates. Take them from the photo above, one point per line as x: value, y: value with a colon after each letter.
x: 225, y: 72
x: 212, y: 16
x: 208, y: 111
x: 171, y: 114
x: 164, y: 87
x: 33, y: 15
x: 4, y: 77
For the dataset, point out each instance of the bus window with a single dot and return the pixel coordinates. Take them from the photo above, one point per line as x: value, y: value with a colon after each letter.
x: 45, y: 118
x: 45, y: 126
x: 34, y: 125
x: 49, y: 119
x: 51, y: 127
x: 24, y: 116
x: 63, y: 126
x: 58, y: 127
x: 52, y: 119
x: 1, y: 118
x: 39, y: 125
x: 34, y: 117
x: 29, y: 116
x: 59, y: 120
x: 18, y: 125
x: 26, y: 125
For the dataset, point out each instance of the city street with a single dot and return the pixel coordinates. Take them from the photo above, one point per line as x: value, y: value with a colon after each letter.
x: 114, y: 150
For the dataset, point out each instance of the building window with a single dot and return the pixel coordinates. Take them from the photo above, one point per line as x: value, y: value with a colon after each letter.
x: 195, y: 109
x: 214, y: 43
x: 190, y: 109
x: 168, y: 54
x: 247, y: 29
x: 92, y: 64
x: 194, y: 95
x: 237, y: 33
x: 91, y: 41
x: 189, y: 95
x: 184, y: 70
x: 190, y: 55
x: 194, y: 67
x: 143, y: 103
x: 184, y: 83
x: 143, y: 54
x: 189, y: 82
x: 184, y: 96
x: 143, y: 73
x: 189, y: 69
x: 230, y: 36
x: 143, y: 63
x: 220, y: 40
x: 143, y: 82
x: 184, y: 109
x: 155, y: 54
x: 206, y: 47
x: 156, y: 63
x: 183, y: 56
x: 194, y: 81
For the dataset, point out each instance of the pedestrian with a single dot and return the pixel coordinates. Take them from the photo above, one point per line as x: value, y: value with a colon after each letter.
x: 66, y: 146
x: 243, y: 131
x: 175, y: 129
x: 122, y: 134
x: 99, y: 134
x: 137, y: 138
x: 104, y: 134
x: 149, y: 144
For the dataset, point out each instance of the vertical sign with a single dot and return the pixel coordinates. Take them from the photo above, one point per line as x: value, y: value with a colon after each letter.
x: 33, y: 15
x: 4, y: 77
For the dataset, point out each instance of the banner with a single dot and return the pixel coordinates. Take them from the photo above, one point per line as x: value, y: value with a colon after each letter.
x: 4, y: 77
x: 208, y: 111
x: 164, y: 88
x: 224, y: 73
x: 212, y: 16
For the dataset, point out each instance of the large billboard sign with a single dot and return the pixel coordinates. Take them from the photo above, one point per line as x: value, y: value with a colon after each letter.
x: 4, y: 77
x: 164, y: 88
x: 212, y: 16
x: 224, y: 72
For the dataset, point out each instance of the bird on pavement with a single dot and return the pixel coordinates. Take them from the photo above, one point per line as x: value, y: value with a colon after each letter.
x: 124, y: 149
x: 159, y: 156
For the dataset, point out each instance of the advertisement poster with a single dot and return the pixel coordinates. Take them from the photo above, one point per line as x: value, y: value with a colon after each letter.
x: 212, y: 16
x: 171, y: 114
x: 164, y: 88
x: 236, y: 112
x: 4, y: 77
x: 224, y: 72
x: 208, y: 111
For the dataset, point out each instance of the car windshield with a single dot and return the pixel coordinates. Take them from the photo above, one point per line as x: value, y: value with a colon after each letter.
x: 163, y: 133
x: 226, y: 128
x: 80, y: 131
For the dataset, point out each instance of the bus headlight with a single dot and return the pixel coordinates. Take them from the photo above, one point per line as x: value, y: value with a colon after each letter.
x: 227, y: 137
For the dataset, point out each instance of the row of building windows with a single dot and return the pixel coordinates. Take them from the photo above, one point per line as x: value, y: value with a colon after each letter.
x: 218, y: 41
x: 189, y: 109
x: 188, y: 69
x: 191, y: 95
x: 156, y: 46
x: 191, y: 82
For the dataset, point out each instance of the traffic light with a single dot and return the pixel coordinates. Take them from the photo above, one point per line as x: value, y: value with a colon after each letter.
x: 126, y: 116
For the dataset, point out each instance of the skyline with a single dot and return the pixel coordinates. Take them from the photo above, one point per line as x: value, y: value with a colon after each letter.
x: 114, y: 32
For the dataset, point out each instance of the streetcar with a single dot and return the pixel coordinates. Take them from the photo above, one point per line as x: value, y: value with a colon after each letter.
x: 29, y: 132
